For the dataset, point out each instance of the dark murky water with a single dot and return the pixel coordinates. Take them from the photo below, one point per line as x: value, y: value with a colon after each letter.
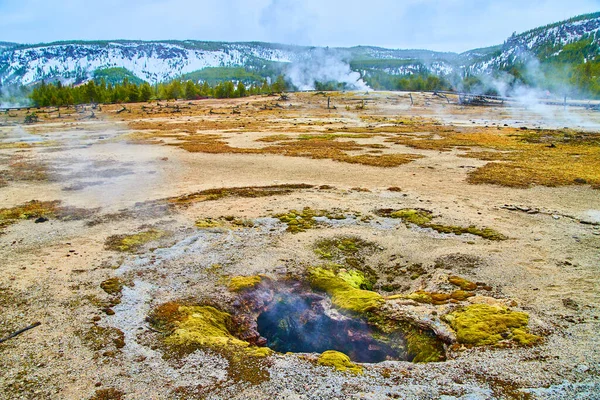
x: 305, y: 323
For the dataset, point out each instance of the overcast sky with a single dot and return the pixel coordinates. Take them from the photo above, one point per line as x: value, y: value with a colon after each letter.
x: 443, y: 25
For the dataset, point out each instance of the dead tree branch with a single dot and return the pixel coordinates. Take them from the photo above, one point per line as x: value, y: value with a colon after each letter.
x: 17, y: 333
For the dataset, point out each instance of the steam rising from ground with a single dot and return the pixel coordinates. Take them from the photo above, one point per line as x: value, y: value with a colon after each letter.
x: 324, y: 65
x: 533, y: 97
x: 12, y: 97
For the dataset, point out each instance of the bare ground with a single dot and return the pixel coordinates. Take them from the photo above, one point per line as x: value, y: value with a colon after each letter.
x: 51, y: 272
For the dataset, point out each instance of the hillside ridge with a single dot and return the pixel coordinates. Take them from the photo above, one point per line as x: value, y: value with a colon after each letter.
x: 74, y: 62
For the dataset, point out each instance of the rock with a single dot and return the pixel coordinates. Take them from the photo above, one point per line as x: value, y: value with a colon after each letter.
x: 582, y: 368
x: 491, y: 301
x: 570, y: 303
x: 41, y: 220
x: 281, y: 270
x: 420, y: 316
x: 246, y: 329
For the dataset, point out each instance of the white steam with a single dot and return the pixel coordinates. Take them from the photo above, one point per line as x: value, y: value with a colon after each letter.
x: 540, y: 101
x: 11, y: 97
x: 324, y: 65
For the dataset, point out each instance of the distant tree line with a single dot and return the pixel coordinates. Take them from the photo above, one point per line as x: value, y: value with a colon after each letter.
x: 57, y: 94
x: 573, y: 71
x: 414, y: 82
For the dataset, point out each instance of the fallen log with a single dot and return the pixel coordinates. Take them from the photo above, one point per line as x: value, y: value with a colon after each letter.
x: 17, y: 333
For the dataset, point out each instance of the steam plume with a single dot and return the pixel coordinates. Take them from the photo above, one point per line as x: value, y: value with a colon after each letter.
x: 324, y: 65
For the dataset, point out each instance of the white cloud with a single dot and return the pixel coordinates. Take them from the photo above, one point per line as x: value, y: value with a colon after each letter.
x: 289, y: 21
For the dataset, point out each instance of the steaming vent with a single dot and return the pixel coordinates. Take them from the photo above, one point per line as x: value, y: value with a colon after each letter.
x: 292, y: 318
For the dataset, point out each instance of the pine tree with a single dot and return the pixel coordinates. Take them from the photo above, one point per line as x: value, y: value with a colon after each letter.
x: 145, y: 92
x: 265, y: 88
x: 240, y: 90
x: 279, y: 85
x: 91, y: 92
x: 229, y: 89
x: 206, y: 90
x: 219, y: 91
x: 190, y: 90
x: 133, y: 93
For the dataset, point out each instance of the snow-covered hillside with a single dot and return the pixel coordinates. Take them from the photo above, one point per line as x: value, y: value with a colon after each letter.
x: 540, y: 40
x: 72, y: 62
x: 150, y: 61
x: 161, y: 61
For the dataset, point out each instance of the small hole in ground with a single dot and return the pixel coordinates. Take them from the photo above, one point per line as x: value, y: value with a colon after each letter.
x: 304, y: 322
